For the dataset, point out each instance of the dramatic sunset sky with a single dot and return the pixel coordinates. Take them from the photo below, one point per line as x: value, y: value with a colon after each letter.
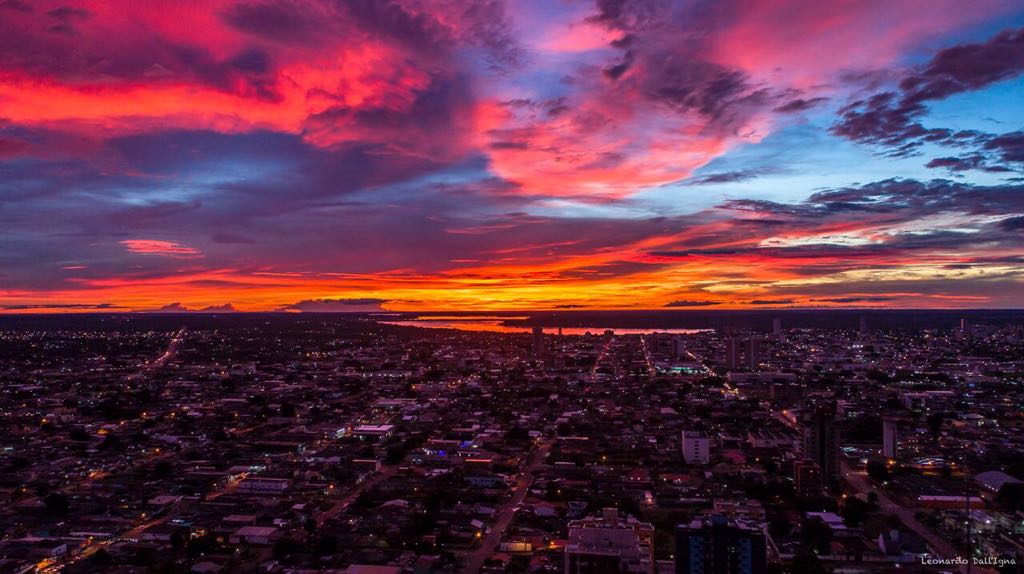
x: 527, y: 154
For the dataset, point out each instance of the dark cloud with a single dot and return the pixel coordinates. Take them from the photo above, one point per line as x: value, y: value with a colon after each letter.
x: 967, y: 68
x: 479, y: 23
x: 631, y: 15
x: 1012, y: 224
x: 891, y: 120
x: 129, y: 58
x: 360, y: 305
x: 666, y: 59
x: 1009, y: 147
x: 800, y: 105
x: 695, y: 252
x: 60, y: 306
x: 179, y: 308
x: 278, y: 21
x: 727, y: 176
x: 17, y: 6
x: 861, y: 299
x: 770, y: 302
x: 615, y: 71
x: 390, y: 19
x: 509, y: 145
x: 689, y: 303
x: 974, y: 161
x: 723, y: 96
x: 830, y: 217
x: 69, y: 14
x: 904, y: 199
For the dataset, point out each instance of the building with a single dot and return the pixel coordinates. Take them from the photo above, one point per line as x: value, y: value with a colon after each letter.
x: 696, y: 447
x: 538, y: 342
x: 609, y: 545
x: 741, y: 352
x: 733, y: 352
x: 719, y: 545
x: 807, y: 475
x: 678, y: 347
x: 257, y: 535
x: 821, y: 441
x: 264, y: 485
x: 373, y: 433
x: 890, y: 437
x: 786, y: 394
x: 994, y: 480
x: 755, y: 350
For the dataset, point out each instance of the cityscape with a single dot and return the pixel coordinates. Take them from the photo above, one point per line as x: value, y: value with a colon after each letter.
x: 345, y: 443
x: 511, y: 286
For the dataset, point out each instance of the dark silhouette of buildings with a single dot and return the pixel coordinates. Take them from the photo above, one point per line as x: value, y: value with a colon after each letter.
x: 821, y: 443
x: 538, y: 342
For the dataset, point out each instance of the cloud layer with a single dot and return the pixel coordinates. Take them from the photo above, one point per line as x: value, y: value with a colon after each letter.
x: 319, y: 155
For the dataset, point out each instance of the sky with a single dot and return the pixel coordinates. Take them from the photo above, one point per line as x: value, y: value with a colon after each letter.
x: 360, y: 155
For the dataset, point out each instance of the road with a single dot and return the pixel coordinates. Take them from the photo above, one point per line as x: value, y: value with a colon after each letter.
x: 859, y: 481
x: 136, y: 531
x: 384, y: 473
x: 600, y: 357
x: 172, y: 348
x: 651, y: 370
x: 474, y: 561
x: 95, y: 546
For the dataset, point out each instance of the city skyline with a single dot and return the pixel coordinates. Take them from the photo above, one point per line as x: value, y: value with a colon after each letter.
x: 447, y: 155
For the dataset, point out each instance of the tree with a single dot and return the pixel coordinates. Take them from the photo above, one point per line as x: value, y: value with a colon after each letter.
x: 57, y: 503
x: 816, y: 536
x: 878, y: 470
x: 163, y: 469
x: 326, y: 545
x: 285, y: 547
x: 101, y: 559
x: 854, y: 511
x: 934, y: 422
x: 1011, y: 496
x: 805, y: 563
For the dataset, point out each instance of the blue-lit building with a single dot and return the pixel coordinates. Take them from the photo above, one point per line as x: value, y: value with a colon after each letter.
x: 720, y: 545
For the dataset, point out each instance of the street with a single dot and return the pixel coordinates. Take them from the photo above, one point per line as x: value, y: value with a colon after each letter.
x: 474, y: 561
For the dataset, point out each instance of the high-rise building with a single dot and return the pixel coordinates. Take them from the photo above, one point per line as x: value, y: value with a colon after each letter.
x: 786, y: 394
x: 890, y: 436
x: 719, y: 545
x: 538, y: 342
x: 863, y: 325
x: 807, y: 475
x: 755, y: 346
x: 696, y: 447
x: 678, y: 347
x: 733, y: 352
x: 741, y: 352
x: 609, y: 544
x: 821, y: 442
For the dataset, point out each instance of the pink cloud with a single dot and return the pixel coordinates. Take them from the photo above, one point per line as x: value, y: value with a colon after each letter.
x: 159, y: 247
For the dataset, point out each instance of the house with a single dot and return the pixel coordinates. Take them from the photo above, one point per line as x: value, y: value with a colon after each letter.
x: 256, y: 535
